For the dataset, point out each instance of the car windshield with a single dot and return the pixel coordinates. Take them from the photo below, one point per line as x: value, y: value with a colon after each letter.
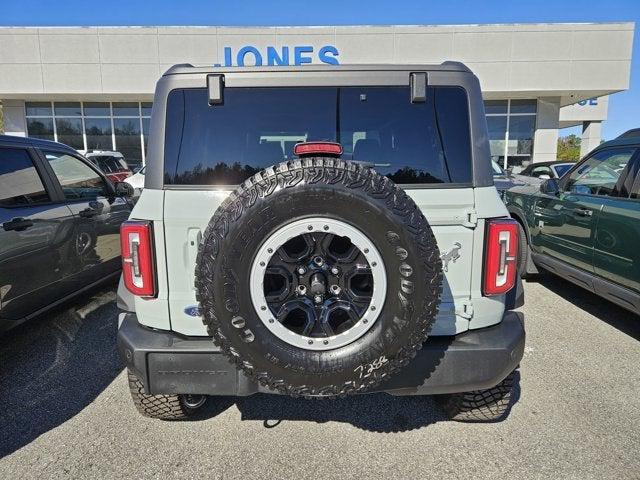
x: 562, y: 169
x: 411, y: 143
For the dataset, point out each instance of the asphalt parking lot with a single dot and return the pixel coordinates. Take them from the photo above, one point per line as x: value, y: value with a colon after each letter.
x: 66, y: 412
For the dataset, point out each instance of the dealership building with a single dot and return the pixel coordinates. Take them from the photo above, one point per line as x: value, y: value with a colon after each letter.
x: 92, y: 88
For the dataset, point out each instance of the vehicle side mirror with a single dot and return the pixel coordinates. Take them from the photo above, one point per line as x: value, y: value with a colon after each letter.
x: 544, y: 177
x: 123, y: 189
x: 550, y: 186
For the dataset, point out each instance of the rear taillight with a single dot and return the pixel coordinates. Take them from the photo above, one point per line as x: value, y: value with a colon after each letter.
x: 138, y: 270
x: 500, y: 256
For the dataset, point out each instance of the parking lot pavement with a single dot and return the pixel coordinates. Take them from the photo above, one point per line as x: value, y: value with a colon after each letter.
x: 65, y: 411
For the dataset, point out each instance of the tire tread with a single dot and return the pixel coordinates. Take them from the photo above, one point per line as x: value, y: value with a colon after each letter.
x: 488, y: 405
x: 164, y: 407
x: 330, y: 171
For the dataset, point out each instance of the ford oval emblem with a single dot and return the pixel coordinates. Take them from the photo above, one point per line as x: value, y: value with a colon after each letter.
x: 192, y: 311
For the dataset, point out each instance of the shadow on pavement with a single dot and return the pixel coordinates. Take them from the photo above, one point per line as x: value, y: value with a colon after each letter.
x: 377, y: 412
x: 53, y: 367
x: 624, y: 320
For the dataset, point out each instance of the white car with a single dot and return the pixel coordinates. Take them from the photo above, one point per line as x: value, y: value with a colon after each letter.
x: 136, y: 181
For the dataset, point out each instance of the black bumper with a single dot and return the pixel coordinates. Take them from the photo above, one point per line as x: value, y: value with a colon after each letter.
x: 170, y: 363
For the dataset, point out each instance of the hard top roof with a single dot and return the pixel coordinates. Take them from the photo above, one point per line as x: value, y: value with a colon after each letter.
x: 448, y: 66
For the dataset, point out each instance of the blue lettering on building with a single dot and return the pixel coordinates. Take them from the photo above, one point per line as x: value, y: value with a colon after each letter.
x: 302, y: 55
x: 590, y: 101
x: 328, y: 55
x: 274, y: 56
x: 249, y: 50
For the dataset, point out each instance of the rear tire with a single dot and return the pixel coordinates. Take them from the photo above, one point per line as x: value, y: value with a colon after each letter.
x: 163, y: 407
x: 488, y: 405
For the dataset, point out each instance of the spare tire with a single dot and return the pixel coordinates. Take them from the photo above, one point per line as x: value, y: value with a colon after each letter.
x: 319, y: 277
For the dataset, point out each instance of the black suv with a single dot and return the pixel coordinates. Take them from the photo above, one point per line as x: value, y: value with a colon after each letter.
x: 59, y: 226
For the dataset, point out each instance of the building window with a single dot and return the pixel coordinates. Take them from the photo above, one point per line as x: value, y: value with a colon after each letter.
x: 127, y: 132
x: 68, y: 109
x: 69, y: 131
x: 39, y: 127
x: 511, y: 125
x: 38, y: 109
x: 98, y: 133
x: 120, y: 126
x: 96, y: 109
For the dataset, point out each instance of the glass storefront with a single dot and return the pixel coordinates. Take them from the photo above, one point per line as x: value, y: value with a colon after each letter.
x: 120, y: 126
x: 512, y: 125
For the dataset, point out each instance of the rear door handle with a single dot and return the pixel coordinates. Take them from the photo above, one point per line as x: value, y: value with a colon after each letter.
x: 583, y: 212
x: 88, y: 213
x: 17, y: 224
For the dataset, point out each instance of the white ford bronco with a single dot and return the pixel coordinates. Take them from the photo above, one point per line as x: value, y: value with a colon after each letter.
x: 320, y: 232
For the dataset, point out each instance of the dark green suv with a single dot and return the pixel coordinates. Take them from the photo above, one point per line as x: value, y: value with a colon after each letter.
x: 585, y: 226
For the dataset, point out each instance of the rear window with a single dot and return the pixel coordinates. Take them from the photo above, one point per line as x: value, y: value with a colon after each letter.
x: 109, y: 164
x: 411, y: 143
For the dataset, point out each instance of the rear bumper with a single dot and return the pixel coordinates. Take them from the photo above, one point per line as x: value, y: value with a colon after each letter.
x: 168, y: 363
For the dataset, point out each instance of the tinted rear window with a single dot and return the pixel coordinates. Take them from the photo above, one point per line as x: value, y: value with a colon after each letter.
x: 258, y: 127
x: 109, y: 164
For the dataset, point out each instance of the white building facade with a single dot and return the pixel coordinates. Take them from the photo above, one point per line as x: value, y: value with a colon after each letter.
x: 92, y: 87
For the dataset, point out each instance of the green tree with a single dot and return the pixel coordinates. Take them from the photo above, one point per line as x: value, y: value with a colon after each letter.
x: 569, y: 148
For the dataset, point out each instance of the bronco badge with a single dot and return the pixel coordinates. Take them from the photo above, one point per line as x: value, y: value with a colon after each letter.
x: 451, y: 255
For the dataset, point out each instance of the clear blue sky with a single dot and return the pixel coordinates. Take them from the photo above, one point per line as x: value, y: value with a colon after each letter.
x: 624, y: 108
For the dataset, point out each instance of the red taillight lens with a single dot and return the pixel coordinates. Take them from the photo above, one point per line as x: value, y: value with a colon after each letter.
x: 315, y: 148
x: 500, y: 256
x: 138, y: 271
